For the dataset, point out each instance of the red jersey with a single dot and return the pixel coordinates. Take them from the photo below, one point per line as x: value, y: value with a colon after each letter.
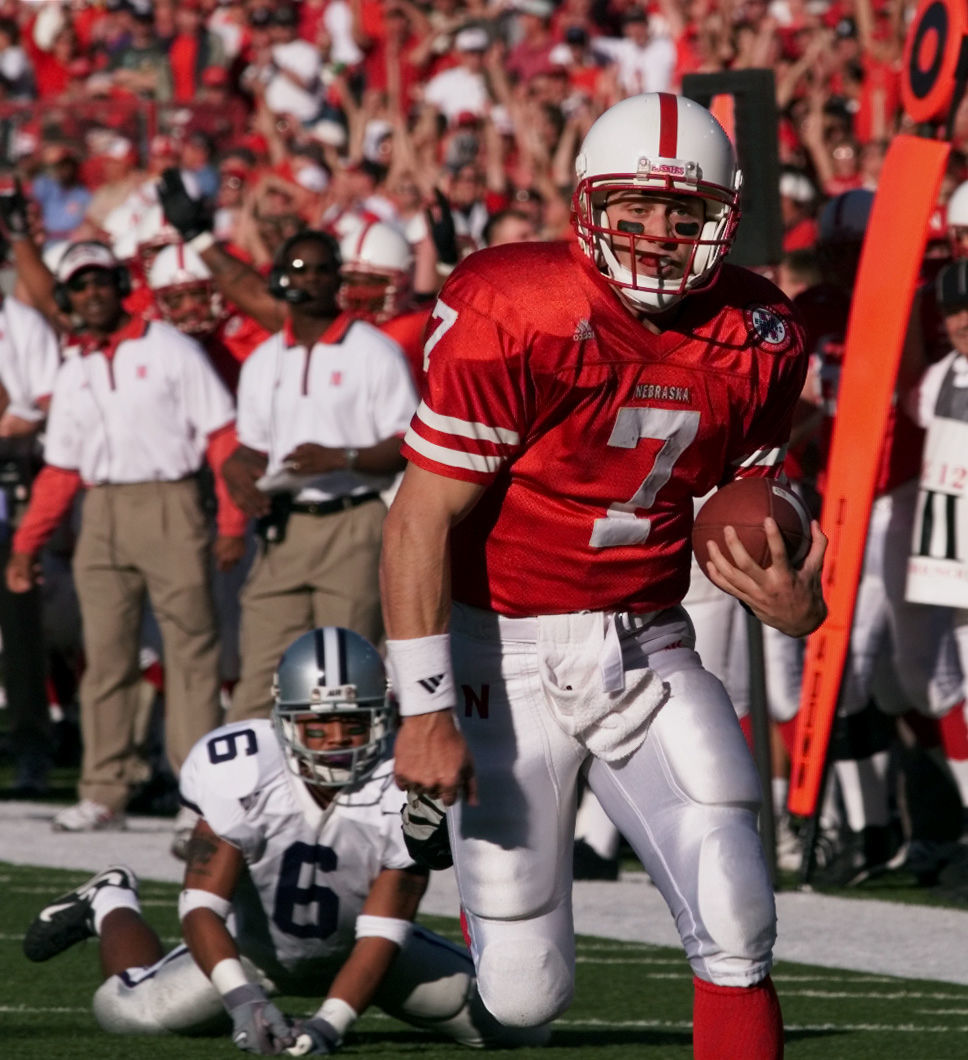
x: 230, y: 343
x: 591, y: 434
x: 407, y: 329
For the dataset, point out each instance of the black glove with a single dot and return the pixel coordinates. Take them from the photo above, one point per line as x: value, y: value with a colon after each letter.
x: 190, y: 216
x: 14, y: 222
x: 425, y: 831
x: 257, y: 1025
x: 441, y: 223
x: 315, y: 1037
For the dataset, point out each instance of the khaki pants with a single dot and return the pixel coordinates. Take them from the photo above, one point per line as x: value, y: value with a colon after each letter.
x: 148, y: 537
x: 325, y: 573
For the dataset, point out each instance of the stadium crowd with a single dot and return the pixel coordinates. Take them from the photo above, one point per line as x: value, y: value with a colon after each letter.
x: 197, y: 141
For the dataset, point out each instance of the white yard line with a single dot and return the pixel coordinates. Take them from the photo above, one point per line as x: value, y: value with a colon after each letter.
x: 862, y: 935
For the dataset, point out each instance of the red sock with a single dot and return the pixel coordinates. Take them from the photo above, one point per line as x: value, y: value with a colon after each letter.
x: 954, y: 733
x: 788, y: 734
x: 746, y: 724
x: 736, y: 1022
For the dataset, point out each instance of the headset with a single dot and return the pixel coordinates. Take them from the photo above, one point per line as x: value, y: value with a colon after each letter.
x: 120, y: 275
x: 280, y: 283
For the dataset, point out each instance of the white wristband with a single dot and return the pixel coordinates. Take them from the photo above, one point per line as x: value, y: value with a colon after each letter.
x: 202, y: 242
x: 421, y: 674
x: 384, y: 927
x: 227, y: 975
x: 338, y: 1014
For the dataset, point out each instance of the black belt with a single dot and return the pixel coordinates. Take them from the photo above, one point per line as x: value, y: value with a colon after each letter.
x: 337, y: 504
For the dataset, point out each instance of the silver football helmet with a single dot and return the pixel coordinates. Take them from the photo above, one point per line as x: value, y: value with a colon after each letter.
x: 325, y: 672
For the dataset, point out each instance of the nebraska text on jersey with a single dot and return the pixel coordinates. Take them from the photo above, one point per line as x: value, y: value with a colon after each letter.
x: 591, y: 448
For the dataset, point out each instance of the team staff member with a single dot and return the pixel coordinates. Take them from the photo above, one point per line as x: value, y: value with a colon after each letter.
x: 28, y: 366
x: 326, y: 400
x: 581, y: 424
x: 133, y: 415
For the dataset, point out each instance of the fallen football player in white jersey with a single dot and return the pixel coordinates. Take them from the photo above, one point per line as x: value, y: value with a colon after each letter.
x: 298, y: 881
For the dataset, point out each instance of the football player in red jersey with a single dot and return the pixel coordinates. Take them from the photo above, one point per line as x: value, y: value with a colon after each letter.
x: 377, y: 266
x: 187, y: 298
x: 578, y: 397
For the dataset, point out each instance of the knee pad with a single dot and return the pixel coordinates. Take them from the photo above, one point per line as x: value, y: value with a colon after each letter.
x: 736, y: 907
x: 524, y: 982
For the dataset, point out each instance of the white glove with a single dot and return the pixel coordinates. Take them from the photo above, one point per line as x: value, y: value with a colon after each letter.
x: 314, y: 1037
x: 257, y: 1025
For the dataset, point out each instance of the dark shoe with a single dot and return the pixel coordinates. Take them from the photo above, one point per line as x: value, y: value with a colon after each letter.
x: 863, y: 855
x: 70, y: 919
x: 587, y: 864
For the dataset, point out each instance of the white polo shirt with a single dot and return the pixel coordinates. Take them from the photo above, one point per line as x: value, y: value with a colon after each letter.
x: 29, y: 358
x: 141, y: 411
x: 352, y: 389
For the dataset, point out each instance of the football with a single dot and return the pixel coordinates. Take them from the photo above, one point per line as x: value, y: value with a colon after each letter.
x: 744, y: 504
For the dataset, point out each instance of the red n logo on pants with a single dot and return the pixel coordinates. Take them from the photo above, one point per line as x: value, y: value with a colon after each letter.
x: 474, y: 702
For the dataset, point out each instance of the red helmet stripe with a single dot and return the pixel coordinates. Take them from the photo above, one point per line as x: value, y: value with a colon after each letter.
x: 668, y: 125
x: 364, y: 229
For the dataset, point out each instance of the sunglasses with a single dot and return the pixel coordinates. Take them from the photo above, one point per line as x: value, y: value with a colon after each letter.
x: 99, y: 278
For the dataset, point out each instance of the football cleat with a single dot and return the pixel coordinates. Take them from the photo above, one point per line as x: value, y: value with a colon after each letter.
x: 88, y: 816
x: 70, y: 918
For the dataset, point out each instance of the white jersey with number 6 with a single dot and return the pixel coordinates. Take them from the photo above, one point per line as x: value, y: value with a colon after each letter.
x: 310, y: 869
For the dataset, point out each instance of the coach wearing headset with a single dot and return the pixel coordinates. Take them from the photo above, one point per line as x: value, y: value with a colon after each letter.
x: 134, y: 412
x: 323, y: 406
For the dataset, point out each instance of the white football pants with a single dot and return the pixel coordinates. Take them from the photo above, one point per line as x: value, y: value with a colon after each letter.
x: 684, y: 792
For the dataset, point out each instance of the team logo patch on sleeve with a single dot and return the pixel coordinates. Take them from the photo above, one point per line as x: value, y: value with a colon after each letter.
x: 767, y: 328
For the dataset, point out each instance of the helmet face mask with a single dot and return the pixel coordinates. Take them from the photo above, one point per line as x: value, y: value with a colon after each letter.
x: 671, y: 147
x: 326, y: 674
x: 185, y: 292
x: 376, y: 272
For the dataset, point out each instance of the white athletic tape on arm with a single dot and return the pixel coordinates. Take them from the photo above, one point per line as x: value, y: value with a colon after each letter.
x: 228, y: 975
x: 386, y: 927
x: 421, y: 674
x: 195, y: 898
x: 338, y: 1014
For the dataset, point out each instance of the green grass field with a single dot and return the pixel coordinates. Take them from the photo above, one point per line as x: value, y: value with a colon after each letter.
x: 632, y: 1000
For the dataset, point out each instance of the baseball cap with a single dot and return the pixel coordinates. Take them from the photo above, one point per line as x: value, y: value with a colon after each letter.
x: 951, y: 286
x: 84, y: 255
x: 472, y: 39
x: 540, y: 8
x: 797, y: 186
x: 142, y: 10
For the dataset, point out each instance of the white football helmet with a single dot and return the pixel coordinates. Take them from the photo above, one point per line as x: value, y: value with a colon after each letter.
x: 667, y: 143
x: 332, y: 671
x: 377, y: 271
x: 176, y: 272
x: 152, y: 234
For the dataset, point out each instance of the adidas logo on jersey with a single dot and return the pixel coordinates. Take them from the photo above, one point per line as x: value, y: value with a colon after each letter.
x: 583, y: 331
x: 431, y: 684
